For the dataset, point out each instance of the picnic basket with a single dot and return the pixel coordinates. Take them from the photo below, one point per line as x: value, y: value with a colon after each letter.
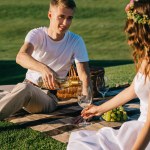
x: 71, y: 92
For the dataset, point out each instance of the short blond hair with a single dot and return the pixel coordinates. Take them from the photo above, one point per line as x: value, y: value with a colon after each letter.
x: 65, y: 3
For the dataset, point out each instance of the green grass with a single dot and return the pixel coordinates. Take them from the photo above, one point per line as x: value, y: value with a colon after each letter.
x: 120, y: 75
x: 13, y: 137
x: 99, y: 22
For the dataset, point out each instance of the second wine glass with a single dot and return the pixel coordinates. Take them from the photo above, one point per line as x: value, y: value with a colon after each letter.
x: 102, y: 85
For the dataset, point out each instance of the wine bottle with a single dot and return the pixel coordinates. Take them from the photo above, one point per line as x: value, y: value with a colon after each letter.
x: 62, y: 83
x: 70, y: 83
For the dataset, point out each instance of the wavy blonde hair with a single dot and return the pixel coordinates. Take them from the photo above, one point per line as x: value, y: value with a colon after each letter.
x: 139, y: 35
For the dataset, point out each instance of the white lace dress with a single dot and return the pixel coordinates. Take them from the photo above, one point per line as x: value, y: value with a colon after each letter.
x: 110, y: 139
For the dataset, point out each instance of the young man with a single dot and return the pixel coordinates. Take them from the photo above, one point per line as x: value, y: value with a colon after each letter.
x: 47, y: 53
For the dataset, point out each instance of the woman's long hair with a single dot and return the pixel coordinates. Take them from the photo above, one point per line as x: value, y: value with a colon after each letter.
x: 139, y: 35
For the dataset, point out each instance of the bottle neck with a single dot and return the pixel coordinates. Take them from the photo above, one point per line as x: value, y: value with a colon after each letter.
x: 75, y: 82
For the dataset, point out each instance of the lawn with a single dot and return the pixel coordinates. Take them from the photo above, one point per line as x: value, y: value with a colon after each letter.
x: 99, y: 22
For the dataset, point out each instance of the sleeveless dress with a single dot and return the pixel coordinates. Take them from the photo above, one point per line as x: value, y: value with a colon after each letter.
x: 108, y: 138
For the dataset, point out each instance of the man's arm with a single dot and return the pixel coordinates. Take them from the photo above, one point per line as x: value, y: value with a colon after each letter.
x: 25, y: 59
x: 84, y: 74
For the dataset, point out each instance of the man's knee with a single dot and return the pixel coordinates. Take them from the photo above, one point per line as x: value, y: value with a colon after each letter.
x: 25, y: 87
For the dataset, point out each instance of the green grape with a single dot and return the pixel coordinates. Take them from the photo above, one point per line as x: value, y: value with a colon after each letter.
x: 121, y: 113
x: 124, y: 113
x: 110, y: 111
x: 117, y: 108
x: 121, y: 108
x: 112, y: 114
x: 103, y: 116
x: 115, y: 117
x: 118, y: 119
x: 124, y: 117
x: 116, y: 114
x: 108, y: 117
x: 114, y: 110
x: 112, y: 120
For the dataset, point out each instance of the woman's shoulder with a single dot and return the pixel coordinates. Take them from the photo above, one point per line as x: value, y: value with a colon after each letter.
x: 145, y: 65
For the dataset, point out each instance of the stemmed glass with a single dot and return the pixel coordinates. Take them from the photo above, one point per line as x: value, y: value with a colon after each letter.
x: 84, y: 99
x: 102, y: 85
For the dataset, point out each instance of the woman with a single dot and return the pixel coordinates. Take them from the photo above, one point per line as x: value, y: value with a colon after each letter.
x: 132, y: 135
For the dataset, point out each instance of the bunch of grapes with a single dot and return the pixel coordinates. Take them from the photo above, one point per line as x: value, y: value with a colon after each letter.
x: 116, y: 114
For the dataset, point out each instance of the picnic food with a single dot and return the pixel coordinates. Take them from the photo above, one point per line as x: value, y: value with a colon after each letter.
x: 117, y: 114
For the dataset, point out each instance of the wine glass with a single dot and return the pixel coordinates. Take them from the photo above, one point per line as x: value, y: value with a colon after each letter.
x: 102, y: 85
x: 84, y: 100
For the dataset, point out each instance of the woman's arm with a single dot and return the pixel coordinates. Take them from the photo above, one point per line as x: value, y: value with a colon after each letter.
x: 120, y: 99
x: 144, y: 136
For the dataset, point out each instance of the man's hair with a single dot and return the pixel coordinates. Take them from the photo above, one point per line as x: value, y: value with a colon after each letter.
x: 65, y: 3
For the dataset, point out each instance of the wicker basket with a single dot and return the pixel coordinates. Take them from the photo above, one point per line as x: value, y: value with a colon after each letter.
x: 71, y: 92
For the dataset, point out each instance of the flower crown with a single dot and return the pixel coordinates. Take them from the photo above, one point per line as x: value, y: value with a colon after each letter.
x: 135, y: 16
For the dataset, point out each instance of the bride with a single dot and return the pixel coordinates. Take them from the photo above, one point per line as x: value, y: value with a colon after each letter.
x: 132, y: 135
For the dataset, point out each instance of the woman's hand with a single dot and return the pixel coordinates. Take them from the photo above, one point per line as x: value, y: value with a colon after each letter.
x: 90, y: 111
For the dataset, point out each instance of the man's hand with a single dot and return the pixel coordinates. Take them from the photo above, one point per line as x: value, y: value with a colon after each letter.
x: 49, y: 78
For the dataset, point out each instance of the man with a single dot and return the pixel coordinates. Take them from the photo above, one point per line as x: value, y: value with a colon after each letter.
x: 47, y: 53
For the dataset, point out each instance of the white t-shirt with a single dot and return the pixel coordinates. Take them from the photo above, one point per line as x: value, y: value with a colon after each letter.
x: 58, y: 55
